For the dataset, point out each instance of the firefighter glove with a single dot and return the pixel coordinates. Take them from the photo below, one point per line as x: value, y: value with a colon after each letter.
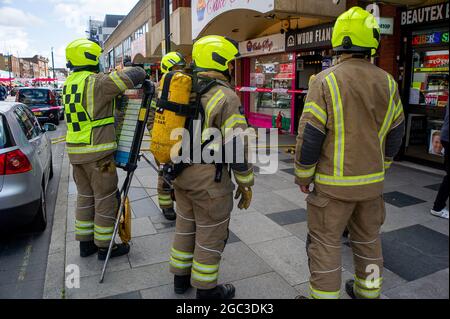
x: 245, y: 194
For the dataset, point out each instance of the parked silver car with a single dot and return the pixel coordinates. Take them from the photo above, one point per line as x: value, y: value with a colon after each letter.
x: 25, y: 168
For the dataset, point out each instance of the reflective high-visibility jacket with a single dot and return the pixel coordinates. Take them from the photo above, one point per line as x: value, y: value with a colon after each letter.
x: 89, y: 106
x: 351, y: 128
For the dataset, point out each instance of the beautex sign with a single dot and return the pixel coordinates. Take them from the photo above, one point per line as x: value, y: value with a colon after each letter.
x: 423, y: 15
x: 204, y: 11
x: 266, y: 45
x: 309, y: 38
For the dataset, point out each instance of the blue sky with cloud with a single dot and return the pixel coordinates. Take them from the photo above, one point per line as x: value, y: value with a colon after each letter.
x: 29, y: 27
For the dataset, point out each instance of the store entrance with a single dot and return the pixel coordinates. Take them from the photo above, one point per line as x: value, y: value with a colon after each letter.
x: 308, y: 64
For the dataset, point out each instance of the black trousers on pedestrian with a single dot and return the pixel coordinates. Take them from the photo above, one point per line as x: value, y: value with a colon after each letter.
x: 442, y: 197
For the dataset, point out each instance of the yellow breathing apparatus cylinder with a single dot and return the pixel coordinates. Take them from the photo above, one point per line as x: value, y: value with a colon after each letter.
x: 174, y: 97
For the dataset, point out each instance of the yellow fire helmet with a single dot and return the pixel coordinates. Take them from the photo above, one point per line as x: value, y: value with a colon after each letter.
x: 170, y: 60
x: 214, y: 53
x: 356, y: 30
x: 83, y: 52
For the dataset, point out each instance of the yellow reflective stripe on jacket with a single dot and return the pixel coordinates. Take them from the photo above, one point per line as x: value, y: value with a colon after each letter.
x: 349, y: 180
x: 399, y: 110
x: 205, y: 269
x: 317, y: 111
x: 247, y: 179
x: 116, y: 78
x: 212, y: 103
x: 318, y: 294
x: 180, y: 264
x: 205, y: 278
x: 305, y: 173
x: 90, y: 96
x: 389, y: 114
x: 92, y: 148
x: 339, y: 126
x: 103, y: 122
x: 232, y: 121
x: 181, y: 255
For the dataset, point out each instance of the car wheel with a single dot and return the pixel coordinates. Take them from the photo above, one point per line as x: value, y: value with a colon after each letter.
x: 40, y: 222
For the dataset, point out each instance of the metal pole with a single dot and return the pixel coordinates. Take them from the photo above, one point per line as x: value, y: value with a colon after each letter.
x: 167, y: 25
x: 53, y: 67
x: 9, y: 69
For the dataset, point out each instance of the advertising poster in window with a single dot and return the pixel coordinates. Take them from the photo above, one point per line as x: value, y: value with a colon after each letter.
x: 436, y: 147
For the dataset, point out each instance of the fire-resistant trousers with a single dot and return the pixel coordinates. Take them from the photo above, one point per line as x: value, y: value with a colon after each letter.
x: 201, y: 235
x: 327, y: 220
x: 164, y: 191
x: 97, y: 201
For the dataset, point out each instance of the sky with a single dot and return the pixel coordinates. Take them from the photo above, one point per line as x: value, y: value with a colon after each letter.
x: 30, y: 27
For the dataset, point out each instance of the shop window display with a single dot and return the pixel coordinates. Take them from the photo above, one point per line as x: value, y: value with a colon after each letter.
x: 276, y: 74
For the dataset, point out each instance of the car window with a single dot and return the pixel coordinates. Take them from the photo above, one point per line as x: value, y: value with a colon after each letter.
x: 33, y: 96
x: 5, y: 140
x: 34, y: 120
x: 26, y: 124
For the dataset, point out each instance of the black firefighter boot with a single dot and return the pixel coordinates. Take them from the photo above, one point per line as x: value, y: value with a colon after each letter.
x: 349, y: 288
x: 182, y: 284
x: 87, y: 248
x: 169, y: 214
x: 117, y: 251
x: 222, y: 292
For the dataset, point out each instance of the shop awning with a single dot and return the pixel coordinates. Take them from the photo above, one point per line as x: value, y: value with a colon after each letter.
x: 44, y: 80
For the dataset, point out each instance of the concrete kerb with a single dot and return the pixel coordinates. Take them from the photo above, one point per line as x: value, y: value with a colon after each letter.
x: 55, y: 273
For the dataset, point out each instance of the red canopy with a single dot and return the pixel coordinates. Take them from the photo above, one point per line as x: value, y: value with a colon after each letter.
x: 6, y: 79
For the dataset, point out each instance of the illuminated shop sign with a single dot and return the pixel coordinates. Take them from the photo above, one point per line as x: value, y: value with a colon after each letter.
x: 430, y: 38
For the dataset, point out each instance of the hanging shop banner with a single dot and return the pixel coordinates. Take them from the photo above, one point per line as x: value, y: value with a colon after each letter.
x: 309, y: 38
x: 266, y: 45
x: 435, y: 13
x: 204, y: 11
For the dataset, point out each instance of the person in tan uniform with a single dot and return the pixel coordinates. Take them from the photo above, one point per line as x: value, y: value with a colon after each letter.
x: 204, y: 192
x: 91, y: 141
x: 170, y: 62
x: 351, y: 129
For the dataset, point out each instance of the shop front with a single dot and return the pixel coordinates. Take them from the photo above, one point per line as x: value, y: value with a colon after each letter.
x: 267, y: 72
x: 311, y: 51
x: 426, y: 78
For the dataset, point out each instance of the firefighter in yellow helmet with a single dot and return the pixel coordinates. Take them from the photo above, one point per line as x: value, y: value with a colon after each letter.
x: 170, y: 62
x: 91, y: 141
x: 204, y: 192
x: 351, y: 129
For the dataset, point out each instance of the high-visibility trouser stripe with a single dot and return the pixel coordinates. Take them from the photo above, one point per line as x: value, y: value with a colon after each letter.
x: 399, y: 110
x: 387, y: 164
x: 305, y: 173
x: 208, y: 278
x: 84, y: 232
x: 165, y: 200
x: 232, y: 121
x: 179, y: 255
x: 103, y: 237
x: 318, y: 294
x: 84, y: 224
x: 206, y: 269
x: 244, y: 179
x: 179, y: 264
x: 212, y: 103
x: 103, y: 230
x: 92, y: 148
x: 116, y: 78
x: 369, y: 284
x: 366, y: 294
x: 90, y: 96
x: 339, y: 126
x: 317, y: 111
x: 390, y: 113
x: 349, y: 180
x: 154, y: 105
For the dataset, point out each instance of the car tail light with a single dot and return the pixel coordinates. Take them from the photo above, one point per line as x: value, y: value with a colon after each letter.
x: 14, y: 162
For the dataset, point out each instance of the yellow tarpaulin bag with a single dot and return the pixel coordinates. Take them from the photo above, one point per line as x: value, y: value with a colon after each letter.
x: 125, y: 224
x: 172, y: 112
